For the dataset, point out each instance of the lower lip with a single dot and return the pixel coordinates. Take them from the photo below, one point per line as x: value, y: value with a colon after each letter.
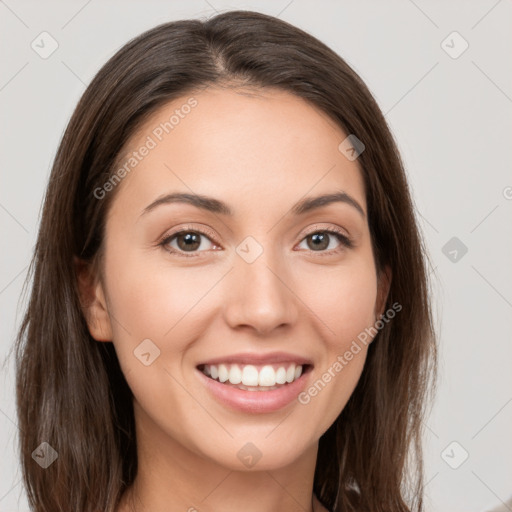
x: 255, y: 401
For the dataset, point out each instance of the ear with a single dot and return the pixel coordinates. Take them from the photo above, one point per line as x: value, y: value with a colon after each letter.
x: 383, y: 286
x: 93, y: 302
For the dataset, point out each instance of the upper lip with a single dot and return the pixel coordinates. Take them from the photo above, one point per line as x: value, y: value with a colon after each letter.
x: 258, y: 359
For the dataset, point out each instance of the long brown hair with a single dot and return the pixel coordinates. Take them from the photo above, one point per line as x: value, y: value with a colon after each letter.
x: 71, y: 392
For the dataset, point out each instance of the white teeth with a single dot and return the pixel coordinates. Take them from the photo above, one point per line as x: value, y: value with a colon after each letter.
x: 248, y: 376
x: 235, y: 374
x: 281, y: 375
x: 223, y: 373
x: 267, y: 376
x: 290, y: 373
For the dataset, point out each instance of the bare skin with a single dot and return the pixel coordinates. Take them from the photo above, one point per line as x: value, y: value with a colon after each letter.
x: 261, y: 154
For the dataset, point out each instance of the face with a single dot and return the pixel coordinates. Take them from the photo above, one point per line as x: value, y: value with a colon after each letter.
x: 244, y: 286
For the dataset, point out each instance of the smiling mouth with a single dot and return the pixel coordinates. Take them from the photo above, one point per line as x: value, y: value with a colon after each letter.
x: 250, y: 377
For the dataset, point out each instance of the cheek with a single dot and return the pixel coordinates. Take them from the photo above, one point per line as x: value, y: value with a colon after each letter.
x: 343, y: 300
x: 149, y: 299
x: 150, y: 314
x: 147, y: 294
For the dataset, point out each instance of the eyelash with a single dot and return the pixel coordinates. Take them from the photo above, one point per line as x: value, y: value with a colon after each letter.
x: 345, y: 241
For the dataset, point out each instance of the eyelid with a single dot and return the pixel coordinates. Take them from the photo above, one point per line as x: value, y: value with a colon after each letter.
x: 345, y: 240
x: 188, y: 227
x: 319, y: 226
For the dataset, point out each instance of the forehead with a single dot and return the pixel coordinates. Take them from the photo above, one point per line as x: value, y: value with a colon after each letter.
x: 264, y: 145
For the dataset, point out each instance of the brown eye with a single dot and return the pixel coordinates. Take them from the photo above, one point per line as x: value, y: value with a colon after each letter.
x: 319, y: 241
x: 186, y: 241
x: 322, y: 241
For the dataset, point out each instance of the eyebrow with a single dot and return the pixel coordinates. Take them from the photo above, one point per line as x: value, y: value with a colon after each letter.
x: 216, y: 206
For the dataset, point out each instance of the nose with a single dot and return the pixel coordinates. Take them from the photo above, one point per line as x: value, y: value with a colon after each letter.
x: 260, y: 296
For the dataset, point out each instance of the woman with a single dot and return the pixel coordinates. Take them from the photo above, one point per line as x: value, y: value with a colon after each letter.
x: 230, y: 307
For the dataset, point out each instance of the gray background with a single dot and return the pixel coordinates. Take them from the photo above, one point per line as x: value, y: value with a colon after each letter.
x: 451, y: 118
